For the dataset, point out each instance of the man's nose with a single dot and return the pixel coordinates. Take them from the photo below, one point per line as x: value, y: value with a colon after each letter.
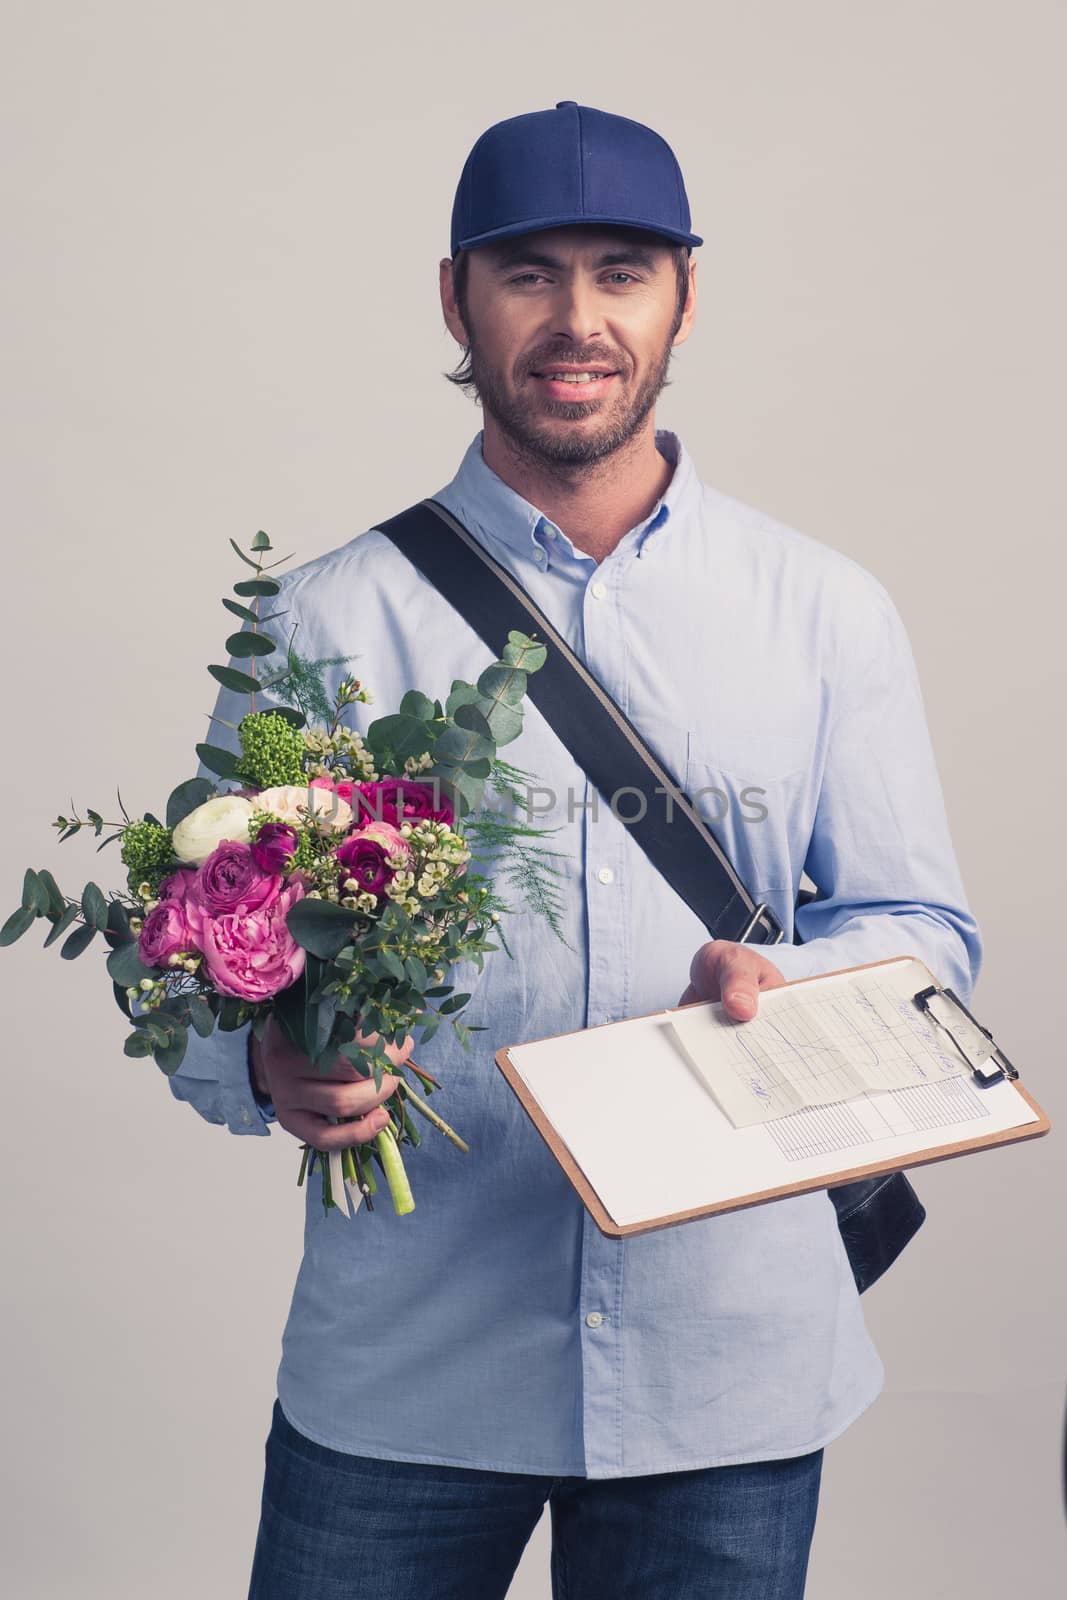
x: 576, y: 315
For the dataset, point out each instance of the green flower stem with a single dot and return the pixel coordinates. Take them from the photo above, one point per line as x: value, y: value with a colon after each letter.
x: 418, y: 1104
x: 367, y: 1181
x: 396, y: 1177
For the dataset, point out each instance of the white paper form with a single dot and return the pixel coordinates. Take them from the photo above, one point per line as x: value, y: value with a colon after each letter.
x: 652, y: 1141
x: 811, y: 1049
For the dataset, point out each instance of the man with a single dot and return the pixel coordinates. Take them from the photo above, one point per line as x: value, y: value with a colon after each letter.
x: 448, y: 1373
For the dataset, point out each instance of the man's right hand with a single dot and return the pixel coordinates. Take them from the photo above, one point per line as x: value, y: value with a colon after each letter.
x: 304, y: 1095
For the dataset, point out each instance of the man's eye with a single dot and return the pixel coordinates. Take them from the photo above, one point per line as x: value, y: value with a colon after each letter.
x: 621, y: 274
x: 524, y: 275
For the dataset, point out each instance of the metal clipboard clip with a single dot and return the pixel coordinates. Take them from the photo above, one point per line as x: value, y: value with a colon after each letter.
x: 975, y: 1044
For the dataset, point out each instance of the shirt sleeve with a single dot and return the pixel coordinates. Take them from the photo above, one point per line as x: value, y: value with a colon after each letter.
x: 214, y: 1076
x: 880, y: 850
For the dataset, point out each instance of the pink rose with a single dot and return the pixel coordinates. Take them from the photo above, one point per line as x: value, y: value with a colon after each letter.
x: 362, y: 856
x: 393, y: 799
x: 232, y: 880
x: 164, y: 932
x: 177, y: 886
x: 342, y: 788
x: 252, y: 954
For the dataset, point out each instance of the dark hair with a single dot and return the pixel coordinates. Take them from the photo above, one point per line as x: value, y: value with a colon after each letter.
x: 462, y: 375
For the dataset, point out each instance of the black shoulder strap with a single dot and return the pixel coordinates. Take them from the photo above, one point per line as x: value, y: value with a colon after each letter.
x: 603, y: 742
x: 876, y: 1216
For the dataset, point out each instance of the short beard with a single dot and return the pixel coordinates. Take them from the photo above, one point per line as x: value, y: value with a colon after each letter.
x: 518, y: 419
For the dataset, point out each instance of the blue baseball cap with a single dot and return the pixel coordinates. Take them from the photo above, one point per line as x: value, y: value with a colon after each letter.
x: 548, y: 169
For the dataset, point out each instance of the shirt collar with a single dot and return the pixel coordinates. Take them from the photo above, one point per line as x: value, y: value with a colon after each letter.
x: 495, y: 511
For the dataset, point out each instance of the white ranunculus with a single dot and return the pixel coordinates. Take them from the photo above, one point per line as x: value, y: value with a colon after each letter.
x: 326, y: 806
x: 226, y: 816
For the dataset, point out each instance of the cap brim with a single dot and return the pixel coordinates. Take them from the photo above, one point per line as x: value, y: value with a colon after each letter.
x: 513, y: 229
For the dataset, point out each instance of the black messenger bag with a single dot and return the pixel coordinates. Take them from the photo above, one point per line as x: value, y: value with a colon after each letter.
x: 876, y: 1216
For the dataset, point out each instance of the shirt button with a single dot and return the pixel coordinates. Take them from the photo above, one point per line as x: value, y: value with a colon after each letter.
x: 594, y: 1319
x: 245, y: 1116
x: 598, y: 590
x: 605, y: 874
x: 550, y: 533
x: 539, y: 555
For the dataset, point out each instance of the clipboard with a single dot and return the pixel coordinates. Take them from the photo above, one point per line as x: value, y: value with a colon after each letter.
x: 646, y: 1144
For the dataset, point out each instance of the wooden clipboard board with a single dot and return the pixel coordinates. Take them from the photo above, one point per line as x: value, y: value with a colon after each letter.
x: 607, y: 1223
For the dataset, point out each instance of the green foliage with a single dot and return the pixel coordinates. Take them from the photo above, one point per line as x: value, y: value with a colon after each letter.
x: 147, y: 853
x: 272, y: 751
x: 186, y: 797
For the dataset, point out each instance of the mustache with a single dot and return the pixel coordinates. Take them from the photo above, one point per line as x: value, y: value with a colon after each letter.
x: 573, y: 358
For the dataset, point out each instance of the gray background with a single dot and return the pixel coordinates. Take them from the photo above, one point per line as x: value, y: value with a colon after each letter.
x: 224, y: 225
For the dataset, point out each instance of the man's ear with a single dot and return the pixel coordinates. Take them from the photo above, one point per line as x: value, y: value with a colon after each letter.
x: 449, y: 308
x: 686, y: 323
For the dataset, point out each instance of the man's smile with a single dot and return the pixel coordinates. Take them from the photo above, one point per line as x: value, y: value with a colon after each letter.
x: 574, y: 383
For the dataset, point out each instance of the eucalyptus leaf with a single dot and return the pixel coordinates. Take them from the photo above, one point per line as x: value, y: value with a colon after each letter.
x: 247, y: 559
x: 94, y: 907
x: 169, y: 1056
x: 56, y: 901
x: 320, y: 926
x: 201, y: 1015
x: 59, y: 928
x: 416, y: 704
x: 505, y: 723
x: 77, y: 941
x: 502, y: 683
x: 261, y: 542
x: 404, y: 735
x: 34, y: 893
x: 290, y: 714
x: 137, y: 1044
x: 257, y: 586
x: 240, y: 682
x: 125, y: 966
x: 218, y: 760
x: 250, y: 644
x: 463, y: 694
x: 521, y: 651
x: 245, y: 612
x: 18, y: 922
x: 118, y: 925
x: 186, y: 797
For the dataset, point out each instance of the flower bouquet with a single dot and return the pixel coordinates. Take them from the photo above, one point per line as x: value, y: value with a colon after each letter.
x: 332, y: 888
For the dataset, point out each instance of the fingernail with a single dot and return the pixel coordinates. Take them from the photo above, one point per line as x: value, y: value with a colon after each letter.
x: 738, y: 997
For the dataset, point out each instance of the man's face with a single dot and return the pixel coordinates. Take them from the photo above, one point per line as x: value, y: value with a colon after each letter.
x: 570, y: 333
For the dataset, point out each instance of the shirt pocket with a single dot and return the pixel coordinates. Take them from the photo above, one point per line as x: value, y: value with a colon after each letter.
x: 751, y: 789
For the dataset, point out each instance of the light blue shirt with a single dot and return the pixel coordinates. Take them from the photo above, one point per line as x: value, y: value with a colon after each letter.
x: 495, y: 1326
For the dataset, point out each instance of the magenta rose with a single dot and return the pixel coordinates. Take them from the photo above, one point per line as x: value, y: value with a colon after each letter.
x: 252, y: 954
x: 394, y: 799
x: 273, y: 845
x: 362, y: 856
x: 164, y: 932
x: 232, y: 880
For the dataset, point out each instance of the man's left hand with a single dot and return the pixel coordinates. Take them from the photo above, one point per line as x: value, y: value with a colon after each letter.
x: 732, y: 973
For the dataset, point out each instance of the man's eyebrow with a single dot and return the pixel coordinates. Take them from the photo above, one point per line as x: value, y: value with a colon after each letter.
x: 631, y: 256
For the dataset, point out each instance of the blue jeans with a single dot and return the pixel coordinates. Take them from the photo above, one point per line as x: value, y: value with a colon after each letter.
x: 335, y: 1526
